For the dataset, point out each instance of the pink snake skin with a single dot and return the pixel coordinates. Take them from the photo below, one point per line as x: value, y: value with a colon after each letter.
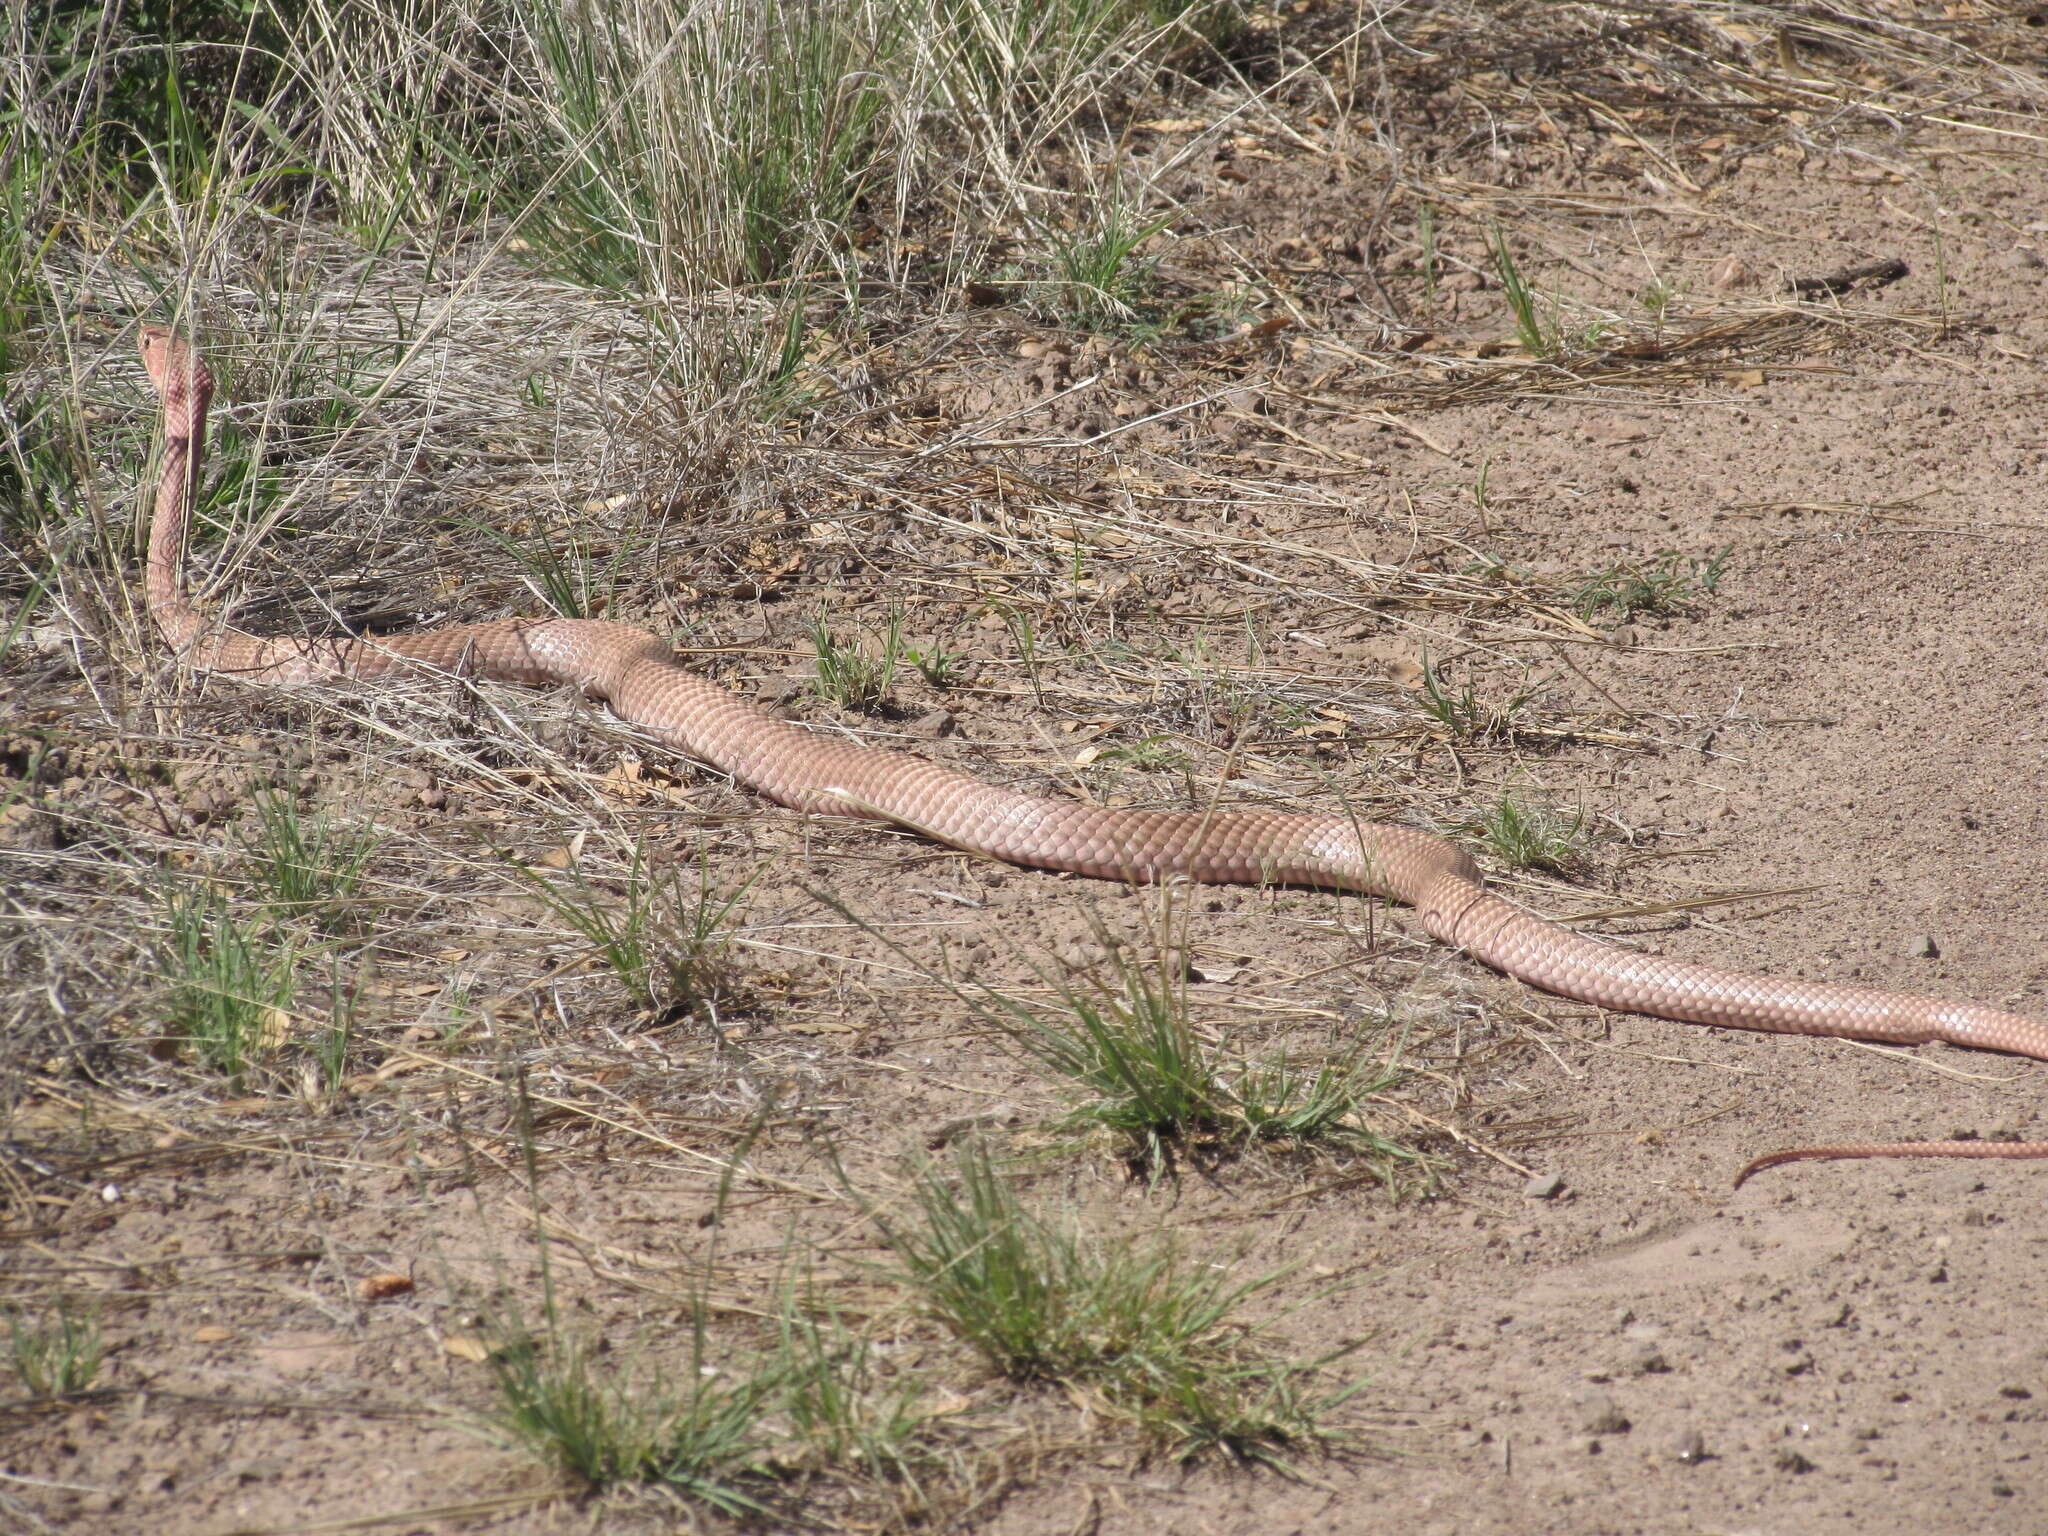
x: 638, y: 676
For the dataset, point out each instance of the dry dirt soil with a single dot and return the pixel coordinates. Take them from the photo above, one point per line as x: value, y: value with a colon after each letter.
x: 1845, y: 737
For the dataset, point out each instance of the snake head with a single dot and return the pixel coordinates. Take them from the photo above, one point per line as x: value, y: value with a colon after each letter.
x: 176, y: 371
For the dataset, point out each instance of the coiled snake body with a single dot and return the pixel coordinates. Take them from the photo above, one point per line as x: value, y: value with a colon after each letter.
x: 636, y: 674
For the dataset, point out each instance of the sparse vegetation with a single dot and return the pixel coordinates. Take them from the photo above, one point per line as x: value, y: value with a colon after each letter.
x: 1464, y: 715
x: 697, y: 1429
x: 232, y: 982
x: 664, y: 932
x: 307, y: 863
x: 1544, y: 328
x: 1101, y: 282
x: 1525, y: 836
x: 1127, y: 1043
x: 1154, y: 1335
x: 856, y: 674
x: 55, y: 1355
x: 1668, y: 583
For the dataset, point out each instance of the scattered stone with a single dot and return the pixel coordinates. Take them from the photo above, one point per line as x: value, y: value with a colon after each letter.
x: 1691, y: 1448
x: 985, y: 1119
x: 1834, y: 1315
x: 1731, y: 271
x: 1923, y: 947
x: 1938, y: 1275
x: 1789, y: 1460
x: 2017, y: 1394
x: 1545, y: 1186
x: 931, y: 727
x: 1647, y: 1360
x: 1601, y: 1415
x: 2025, y: 258
x: 2001, y: 1489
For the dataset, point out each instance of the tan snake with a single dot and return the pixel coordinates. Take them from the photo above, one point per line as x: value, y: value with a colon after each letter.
x: 638, y: 676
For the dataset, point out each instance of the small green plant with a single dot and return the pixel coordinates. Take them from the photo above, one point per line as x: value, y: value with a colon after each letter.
x: 1667, y: 584
x: 1425, y: 234
x: 666, y: 936
x: 570, y: 580
x: 57, y: 1356
x: 699, y: 1431
x: 1156, y: 1336
x: 1149, y: 754
x: 1482, y: 494
x: 837, y: 1401
x: 1129, y: 1042
x: 1463, y: 715
x: 1100, y: 283
x: 1657, y: 298
x: 1547, y: 336
x: 1144, y: 1072
x: 851, y: 674
x: 940, y: 668
x: 232, y: 984
x: 1531, y: 837
x: 305, y: 862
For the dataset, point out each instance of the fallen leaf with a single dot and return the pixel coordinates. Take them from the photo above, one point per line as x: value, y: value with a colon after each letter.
x: 464, y: 1346
x: 383, y: 1287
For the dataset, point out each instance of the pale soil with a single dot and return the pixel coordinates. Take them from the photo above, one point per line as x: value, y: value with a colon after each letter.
x: 1856, y: 715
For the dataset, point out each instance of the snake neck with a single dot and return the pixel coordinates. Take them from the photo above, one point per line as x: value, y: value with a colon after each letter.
x: 183, y: 451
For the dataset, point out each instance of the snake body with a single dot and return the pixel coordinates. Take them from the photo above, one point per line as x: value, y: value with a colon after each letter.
x: 638, y: 676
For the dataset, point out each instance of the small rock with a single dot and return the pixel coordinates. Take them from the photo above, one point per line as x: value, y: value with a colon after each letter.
x: 2025, y: 258
x: 1834, y: 1315
x: 1731, y: 271
x: 1623, y: 635
x: 1923, y: 947
x: 1938, y: 1275
x: 1601, y: 1415
x: 1648, y: 1360
x: 1789, y: 1460
x: 931, y: 727
x: 2001, y: 1489
x: 785, y: 689
x: 1545, y: 1186
x: 1691, y: 1448
x: 2017, y: 1394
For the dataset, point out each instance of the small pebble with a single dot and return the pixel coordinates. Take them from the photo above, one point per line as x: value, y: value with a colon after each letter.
x: 1691, y: 1448
x: 1601, y: 1415
x: 1789, y: 1460
x: 1648, y: 1360
x: 1923, y: 947
x: 1545, y: 1186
